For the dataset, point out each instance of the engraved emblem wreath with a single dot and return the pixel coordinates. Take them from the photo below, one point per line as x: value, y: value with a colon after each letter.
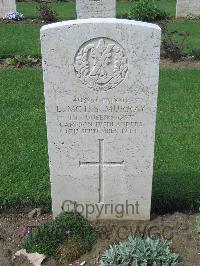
x: 101, y: 64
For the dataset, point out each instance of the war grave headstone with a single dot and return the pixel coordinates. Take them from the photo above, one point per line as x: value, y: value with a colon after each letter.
x: 101, y: 85
x: 95, y: 9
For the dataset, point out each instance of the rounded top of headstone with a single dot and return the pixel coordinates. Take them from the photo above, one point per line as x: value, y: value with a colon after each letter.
x: 70, y: 23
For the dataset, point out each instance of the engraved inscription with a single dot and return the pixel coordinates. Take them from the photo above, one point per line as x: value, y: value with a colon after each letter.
x: 101, y: 115
x: 101, y: 64
x: 101, y: 164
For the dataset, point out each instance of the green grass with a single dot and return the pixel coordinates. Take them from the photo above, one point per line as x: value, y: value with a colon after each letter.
x: 193, y: 28
x: 68, y: 10
x: 23, y: 151
x: 19, y: 39
x: 24, y: 171
x: 24, y: 38
x: 63, y: 10
x: 169, y: 6
x: 177, y: 161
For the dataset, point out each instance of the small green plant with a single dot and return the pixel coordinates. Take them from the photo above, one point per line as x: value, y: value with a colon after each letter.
x: 66, y: 238
x: 17, y: 60
x: 46, y: 13
x: 70, y: 250
x: 193, y: 16
x: 20, y: 60
x: 140, y: 251
x: 147, y: 10
x: 198, y: 224
x: 173, y: 44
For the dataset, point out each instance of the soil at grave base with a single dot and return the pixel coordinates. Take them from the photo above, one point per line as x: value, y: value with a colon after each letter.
x: 3, y: 64
x: 185, y: 240
x: 25, y: 21
x: 186, y: 63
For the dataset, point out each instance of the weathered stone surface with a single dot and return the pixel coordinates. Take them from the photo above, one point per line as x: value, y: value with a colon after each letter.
x: 101, y: 80
x: 187, y: 7
x: 5, y: 6
x: 95, y: 8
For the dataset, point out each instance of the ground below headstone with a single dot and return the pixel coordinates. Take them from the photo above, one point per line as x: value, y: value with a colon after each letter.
x: 184, y: 63
x: 181, y: 227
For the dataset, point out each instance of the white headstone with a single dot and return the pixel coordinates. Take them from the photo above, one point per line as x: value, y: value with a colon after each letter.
x: 95, y: 9
x: 101, y: 81
x: 6, y: 6
x: 187, y: 7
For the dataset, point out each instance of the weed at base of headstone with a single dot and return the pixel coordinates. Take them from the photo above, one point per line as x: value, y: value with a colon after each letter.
x: 66, y: 238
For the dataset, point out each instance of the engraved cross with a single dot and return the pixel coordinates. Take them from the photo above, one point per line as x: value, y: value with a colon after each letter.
x: 101, y: 164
